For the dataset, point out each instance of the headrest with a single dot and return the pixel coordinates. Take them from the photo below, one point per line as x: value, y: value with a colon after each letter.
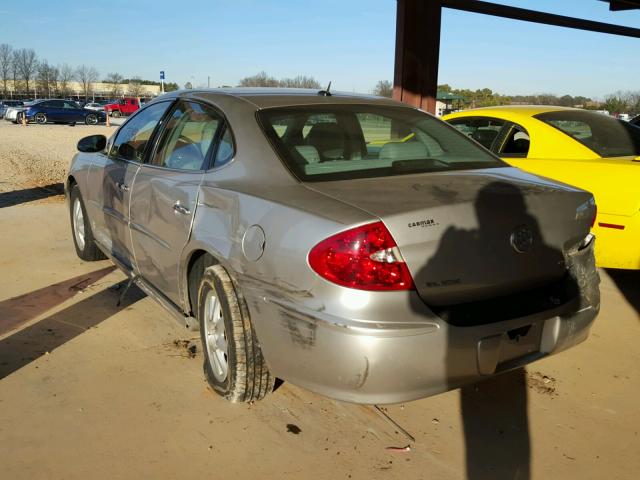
x: 403, y: 151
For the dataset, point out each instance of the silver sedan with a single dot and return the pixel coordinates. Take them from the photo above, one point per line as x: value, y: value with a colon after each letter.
x: 349, y: 244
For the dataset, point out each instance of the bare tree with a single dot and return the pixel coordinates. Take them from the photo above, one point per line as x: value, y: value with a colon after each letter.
x: 87, y: 76
x: 17, y: 85
x: 383, y: 88
x: 301, y: 81
x: 6, y: 66
x: 115, y: 79
x: 27, y: 65
x: 188, y: 85
x: 47, y: 78
x: 66, y: 75
x: 135, y: 87
x: 259, y: 80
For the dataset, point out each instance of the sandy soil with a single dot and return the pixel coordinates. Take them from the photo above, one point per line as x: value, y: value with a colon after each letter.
x: 39, y: 154
x: 92, y: 390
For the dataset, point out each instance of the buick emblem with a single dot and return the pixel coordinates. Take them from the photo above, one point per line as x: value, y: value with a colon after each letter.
x: 522, y: 239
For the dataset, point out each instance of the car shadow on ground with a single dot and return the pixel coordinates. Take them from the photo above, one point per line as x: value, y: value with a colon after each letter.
x: 46, y: 335
x: 16, y: 197
x: 23, y: 308
x: 628, y: 282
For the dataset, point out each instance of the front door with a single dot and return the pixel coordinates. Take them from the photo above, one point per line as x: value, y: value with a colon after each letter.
x: 115, y: 177
x: 165, y: 193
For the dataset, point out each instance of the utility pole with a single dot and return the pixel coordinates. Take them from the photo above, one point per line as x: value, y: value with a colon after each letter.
x: 208, y: 81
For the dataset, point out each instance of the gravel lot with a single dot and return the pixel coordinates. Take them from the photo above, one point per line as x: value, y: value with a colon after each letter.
x: 39, y: 155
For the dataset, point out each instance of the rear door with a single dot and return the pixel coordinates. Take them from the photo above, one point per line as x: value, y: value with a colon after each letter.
x: 73, y: 112
x: 53, y: 110
x: 111, y: 178
x: 165, y: 192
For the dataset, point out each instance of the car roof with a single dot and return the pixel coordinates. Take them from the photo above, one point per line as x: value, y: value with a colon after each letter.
x: 524, y: 110
x: 282, y: 97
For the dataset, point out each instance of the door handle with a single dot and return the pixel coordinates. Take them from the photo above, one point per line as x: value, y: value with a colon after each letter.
x: 122, y: 187
x: 179, y: 208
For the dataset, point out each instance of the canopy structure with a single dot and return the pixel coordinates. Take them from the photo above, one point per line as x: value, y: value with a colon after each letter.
x: 418, y: 39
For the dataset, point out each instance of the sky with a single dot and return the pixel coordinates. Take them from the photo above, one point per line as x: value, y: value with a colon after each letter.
x: 348, y: 42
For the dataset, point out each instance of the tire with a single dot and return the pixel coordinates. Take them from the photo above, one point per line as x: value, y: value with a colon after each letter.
x: 18, y: 118
x: 91, y: 119
x: 40, y: 118
x: 116, y: 113
x: 228, y: 340
x: 83, y: 239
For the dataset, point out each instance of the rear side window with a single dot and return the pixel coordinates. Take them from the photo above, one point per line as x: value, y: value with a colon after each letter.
x: 188, y: 138
x: 338, y: 142
x: 483, y: 130
x: 131, y: 141
x: 602, y: 134
x: 225, y: 151
x: 516, y: 143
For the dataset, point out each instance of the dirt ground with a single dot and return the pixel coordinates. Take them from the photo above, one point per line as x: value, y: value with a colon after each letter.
x: 89, y: 389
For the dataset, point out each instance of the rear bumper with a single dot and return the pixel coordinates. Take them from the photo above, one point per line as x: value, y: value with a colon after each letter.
x: 361, y: 362
x: 373, y: 368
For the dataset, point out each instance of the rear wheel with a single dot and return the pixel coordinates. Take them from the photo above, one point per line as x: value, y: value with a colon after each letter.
x: 83, y: 239
x: 233, y: 361
x: 41, y: 118
x: 91, y: 119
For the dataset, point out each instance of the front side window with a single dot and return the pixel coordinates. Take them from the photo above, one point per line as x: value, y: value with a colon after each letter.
x: 600, y: 133
x: 131, y: 140
x: 188, y: 137
x: 483, y: 130
x: 339, y: 142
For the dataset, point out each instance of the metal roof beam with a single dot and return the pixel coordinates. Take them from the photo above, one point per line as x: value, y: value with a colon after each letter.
x: 515, y: 13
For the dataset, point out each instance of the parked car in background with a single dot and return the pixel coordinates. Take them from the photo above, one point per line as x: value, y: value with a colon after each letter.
x: 62, y: 111
x: 123, y: 107
x: 592, y: 151
x: 13, y: 114
x: 372, y: 275
x: 5, y: 104
x: 98, y: 107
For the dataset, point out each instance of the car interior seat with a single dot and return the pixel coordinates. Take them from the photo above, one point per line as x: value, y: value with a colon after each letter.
x: 329, y: 140
x: 187, y: 156
x: 404, y: 151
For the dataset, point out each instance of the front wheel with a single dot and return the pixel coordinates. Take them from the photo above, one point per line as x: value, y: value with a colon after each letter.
x: 233, y: 361
x: 41, y: 118
x: 91, y: 119
x: 116, y: 114
x: 83, y: 239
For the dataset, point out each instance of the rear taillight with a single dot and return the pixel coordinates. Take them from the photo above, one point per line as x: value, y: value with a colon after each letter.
x: 365, y: 258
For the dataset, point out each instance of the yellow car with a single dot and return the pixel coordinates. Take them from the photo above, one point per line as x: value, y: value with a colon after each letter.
x: 587, y: 149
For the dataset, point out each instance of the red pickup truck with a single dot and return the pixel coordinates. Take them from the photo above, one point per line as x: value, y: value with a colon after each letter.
x: 125, y: 106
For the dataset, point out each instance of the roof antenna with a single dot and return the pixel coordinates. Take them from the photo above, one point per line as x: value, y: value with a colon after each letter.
x: 326, y: 92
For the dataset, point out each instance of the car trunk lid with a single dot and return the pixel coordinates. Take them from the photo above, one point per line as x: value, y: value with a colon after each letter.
x: 475, y: 234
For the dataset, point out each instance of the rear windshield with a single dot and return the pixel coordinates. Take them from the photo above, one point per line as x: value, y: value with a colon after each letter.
x: 604, y: 135
x: 341, y: 142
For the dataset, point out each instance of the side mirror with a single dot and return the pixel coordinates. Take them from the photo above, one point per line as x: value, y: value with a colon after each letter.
x: 92, y: 144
